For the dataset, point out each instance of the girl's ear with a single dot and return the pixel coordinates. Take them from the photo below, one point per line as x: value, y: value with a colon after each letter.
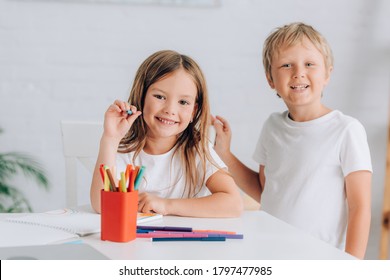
x: 194, y: 112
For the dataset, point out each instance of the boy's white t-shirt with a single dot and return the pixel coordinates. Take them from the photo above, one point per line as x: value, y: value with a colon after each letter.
x: 164, y: 176
x: 305, y: 166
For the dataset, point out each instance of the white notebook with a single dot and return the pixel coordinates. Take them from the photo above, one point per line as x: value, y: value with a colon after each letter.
x: 19, y: 234
x: 57, y: 225
x: 73, y: 221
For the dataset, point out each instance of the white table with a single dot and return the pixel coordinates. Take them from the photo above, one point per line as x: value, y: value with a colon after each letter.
x: 265, y: 237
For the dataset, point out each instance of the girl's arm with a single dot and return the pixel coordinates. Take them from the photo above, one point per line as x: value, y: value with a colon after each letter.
x: 358, y: 188
x: 117, y: 123
x: 225, y: 200
x: 249, y: 181
x: 106, y: 156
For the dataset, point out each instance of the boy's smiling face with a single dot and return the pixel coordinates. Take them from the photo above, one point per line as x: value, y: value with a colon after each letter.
x: 299, y: 74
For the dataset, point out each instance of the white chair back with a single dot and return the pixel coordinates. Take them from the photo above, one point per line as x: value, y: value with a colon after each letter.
x: 80, y: 141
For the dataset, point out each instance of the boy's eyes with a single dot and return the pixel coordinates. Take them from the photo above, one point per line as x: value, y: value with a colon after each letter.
x: 289, y: 65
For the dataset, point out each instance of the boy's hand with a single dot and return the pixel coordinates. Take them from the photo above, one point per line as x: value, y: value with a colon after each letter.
x: 151, y: 203
x: 223, y: 135
x: 117, y: 121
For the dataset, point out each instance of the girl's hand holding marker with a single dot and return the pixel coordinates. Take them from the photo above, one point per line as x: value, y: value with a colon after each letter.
x: 119, y: 117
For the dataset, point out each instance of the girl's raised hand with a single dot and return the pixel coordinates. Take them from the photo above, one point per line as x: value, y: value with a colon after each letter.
x: 117, y: 120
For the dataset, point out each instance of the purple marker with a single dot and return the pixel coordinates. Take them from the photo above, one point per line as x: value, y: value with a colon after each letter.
x: 164, y: 228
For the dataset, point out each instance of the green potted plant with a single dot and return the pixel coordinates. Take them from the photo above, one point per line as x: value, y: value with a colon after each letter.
x: 11, y: 164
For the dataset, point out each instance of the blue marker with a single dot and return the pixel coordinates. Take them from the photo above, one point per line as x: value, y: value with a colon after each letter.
x: 129, y: 112
x: 139, y: 177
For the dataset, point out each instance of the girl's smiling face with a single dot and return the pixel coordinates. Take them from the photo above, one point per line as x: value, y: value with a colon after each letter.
x: 170, y: 104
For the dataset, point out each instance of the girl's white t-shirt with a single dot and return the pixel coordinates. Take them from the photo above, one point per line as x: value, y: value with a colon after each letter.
x: 164, y: 174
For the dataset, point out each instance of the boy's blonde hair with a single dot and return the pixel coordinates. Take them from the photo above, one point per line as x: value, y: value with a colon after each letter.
x: 193, y: 141
x: 289, y: 35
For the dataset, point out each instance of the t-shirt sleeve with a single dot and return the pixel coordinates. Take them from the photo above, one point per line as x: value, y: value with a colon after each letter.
x: 259, y: 154
x: 211, y: 169
x: 355, y: 152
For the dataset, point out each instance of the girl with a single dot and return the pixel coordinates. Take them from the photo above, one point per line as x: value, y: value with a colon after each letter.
x: 170, y: 139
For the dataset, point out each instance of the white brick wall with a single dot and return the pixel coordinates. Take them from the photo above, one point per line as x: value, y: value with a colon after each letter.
x: 69, y: 61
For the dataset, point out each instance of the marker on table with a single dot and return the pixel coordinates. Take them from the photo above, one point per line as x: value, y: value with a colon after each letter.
x: 227, y: 236
x: 171, y: 235
x: 154, y: 239
x: 214, y: 231
x: 164, y: 228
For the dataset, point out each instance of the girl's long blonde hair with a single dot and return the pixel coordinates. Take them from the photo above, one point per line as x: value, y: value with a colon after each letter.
x: 194, y: 140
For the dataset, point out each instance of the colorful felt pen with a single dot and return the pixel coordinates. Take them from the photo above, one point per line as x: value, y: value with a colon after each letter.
x: 154, y: 239
x: 101, y: 169
x: 165, y: 228
x: 171, y: 235
x: 106, y: 180
x: 123, y: 182
x: 132, y: 177
x: 227, y: 236
x: 111, y: 178
x: 139, y: 177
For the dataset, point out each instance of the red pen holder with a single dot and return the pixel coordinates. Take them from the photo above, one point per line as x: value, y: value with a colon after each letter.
x: 119, y: 216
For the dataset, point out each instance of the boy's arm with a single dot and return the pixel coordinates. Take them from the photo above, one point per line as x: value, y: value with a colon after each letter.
x: 249, y: 181
x: 225, y: 200
x: 358, y: 188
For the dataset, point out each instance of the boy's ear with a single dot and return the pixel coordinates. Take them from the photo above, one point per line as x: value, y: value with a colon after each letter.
x: 270, y: 81
x: 330, y: 69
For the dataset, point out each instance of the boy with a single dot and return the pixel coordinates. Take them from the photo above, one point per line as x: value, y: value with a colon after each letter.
x: 314, y: 162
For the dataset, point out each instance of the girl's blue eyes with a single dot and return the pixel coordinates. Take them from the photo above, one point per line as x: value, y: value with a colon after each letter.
x: 159, y: 96
x: 181, y: 102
